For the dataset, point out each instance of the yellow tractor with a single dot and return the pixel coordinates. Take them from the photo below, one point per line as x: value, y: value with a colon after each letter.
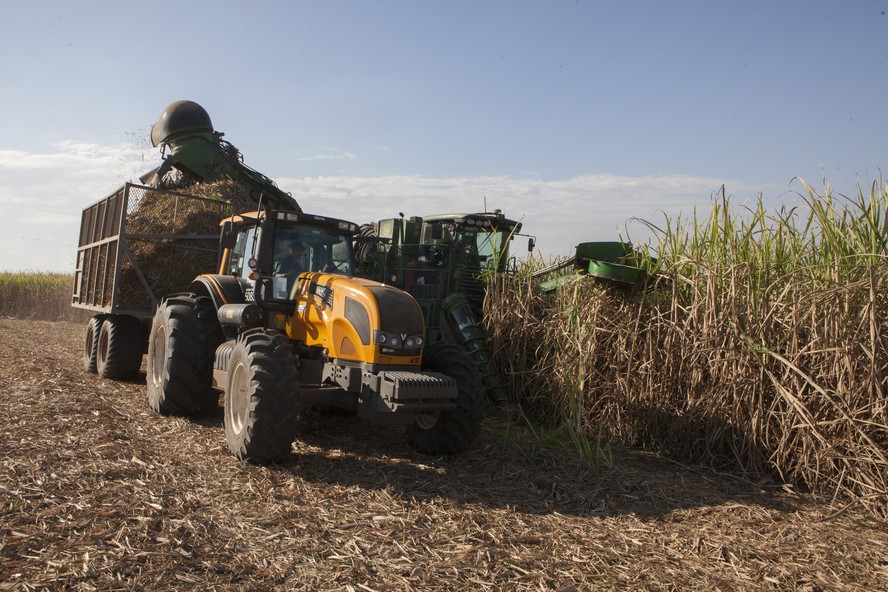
x: 284, y: 326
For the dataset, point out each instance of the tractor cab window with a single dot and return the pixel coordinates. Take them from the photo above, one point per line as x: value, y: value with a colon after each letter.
x: 302, y: 247
x: 241, y: 253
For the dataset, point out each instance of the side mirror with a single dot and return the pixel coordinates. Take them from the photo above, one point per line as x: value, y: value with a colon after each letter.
x: 531, y: 243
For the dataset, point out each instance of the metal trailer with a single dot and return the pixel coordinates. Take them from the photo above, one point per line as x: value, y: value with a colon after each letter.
x: 136, y: 246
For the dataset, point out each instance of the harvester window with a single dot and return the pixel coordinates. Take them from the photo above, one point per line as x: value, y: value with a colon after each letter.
x: 491, y: 248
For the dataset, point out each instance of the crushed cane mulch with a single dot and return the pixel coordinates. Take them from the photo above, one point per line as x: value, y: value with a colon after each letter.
x: 99, y: 493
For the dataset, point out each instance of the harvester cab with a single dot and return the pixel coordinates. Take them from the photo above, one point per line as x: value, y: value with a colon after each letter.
x: 275, y: 343
x: 445, y: 262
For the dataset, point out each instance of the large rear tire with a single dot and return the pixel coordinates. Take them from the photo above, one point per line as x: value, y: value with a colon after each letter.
x: 261, y: 397
x: 453, y: 431
x: 184, y: 336
x: 119, y: 347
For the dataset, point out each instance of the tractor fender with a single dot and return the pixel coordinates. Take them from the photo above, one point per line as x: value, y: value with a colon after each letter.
x: 221, y: 289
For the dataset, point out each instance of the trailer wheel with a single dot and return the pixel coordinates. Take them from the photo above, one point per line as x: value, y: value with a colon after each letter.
x: 119, y: 347
x: 453, y: 431
x: 261, y: 397
x: 91, y: 342
x: 184, y: 337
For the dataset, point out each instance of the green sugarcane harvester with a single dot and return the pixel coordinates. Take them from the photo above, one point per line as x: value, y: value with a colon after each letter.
x: 445, y: 262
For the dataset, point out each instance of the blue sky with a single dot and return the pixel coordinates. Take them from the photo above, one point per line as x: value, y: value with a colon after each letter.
x: 573, y: 115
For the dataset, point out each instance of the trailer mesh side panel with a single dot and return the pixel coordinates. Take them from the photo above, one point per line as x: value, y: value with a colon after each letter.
x: 142, y: 243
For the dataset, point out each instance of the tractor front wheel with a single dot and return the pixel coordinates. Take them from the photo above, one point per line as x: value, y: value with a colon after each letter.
x: 452, y: 431
x: 261, y: 397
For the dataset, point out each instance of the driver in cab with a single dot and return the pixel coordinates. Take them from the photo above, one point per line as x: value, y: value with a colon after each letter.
x: 291, y: 266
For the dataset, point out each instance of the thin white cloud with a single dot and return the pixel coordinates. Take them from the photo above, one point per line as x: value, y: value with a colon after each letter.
x: 45, y: 193
x: 560, y: 213
x: 332, y: 154
x: 74, y: 169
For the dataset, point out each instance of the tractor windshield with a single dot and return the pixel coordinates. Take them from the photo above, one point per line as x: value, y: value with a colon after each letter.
x: 308, y: 247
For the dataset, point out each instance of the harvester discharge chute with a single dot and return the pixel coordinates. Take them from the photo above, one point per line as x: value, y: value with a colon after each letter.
x: 190, y: 145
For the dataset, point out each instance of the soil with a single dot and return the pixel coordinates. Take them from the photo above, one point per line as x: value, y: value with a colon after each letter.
x: 99, y: 493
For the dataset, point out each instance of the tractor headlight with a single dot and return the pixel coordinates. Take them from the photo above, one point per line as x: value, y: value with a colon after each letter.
x: 401, y: 344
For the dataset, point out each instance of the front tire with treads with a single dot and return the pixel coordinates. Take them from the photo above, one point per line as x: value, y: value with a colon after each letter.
x: 452, y: 431
x: 261, y: 397
x: 184, y: 336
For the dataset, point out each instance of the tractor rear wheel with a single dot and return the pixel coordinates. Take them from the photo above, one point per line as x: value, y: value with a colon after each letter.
x: 261, y: 397
x: 91, y: 342
x: 452, y: 431
x: 184, y: 336
x: 119, y: 347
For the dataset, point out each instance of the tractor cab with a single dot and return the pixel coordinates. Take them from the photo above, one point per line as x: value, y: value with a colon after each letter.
x: 283, y: 245
x: 481, y: 240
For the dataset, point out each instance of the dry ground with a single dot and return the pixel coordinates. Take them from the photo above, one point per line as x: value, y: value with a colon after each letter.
x: 98, y: 493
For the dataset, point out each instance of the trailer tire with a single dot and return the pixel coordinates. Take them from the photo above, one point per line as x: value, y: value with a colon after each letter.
x: 119, y: 347
x: 261, y: 397
x: 184, y: 336
x: 91, y: 342
x: 455, y: 430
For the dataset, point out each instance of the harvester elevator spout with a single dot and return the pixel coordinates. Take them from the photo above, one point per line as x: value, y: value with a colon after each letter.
x: 184, y: 132
x: 178, y: 119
